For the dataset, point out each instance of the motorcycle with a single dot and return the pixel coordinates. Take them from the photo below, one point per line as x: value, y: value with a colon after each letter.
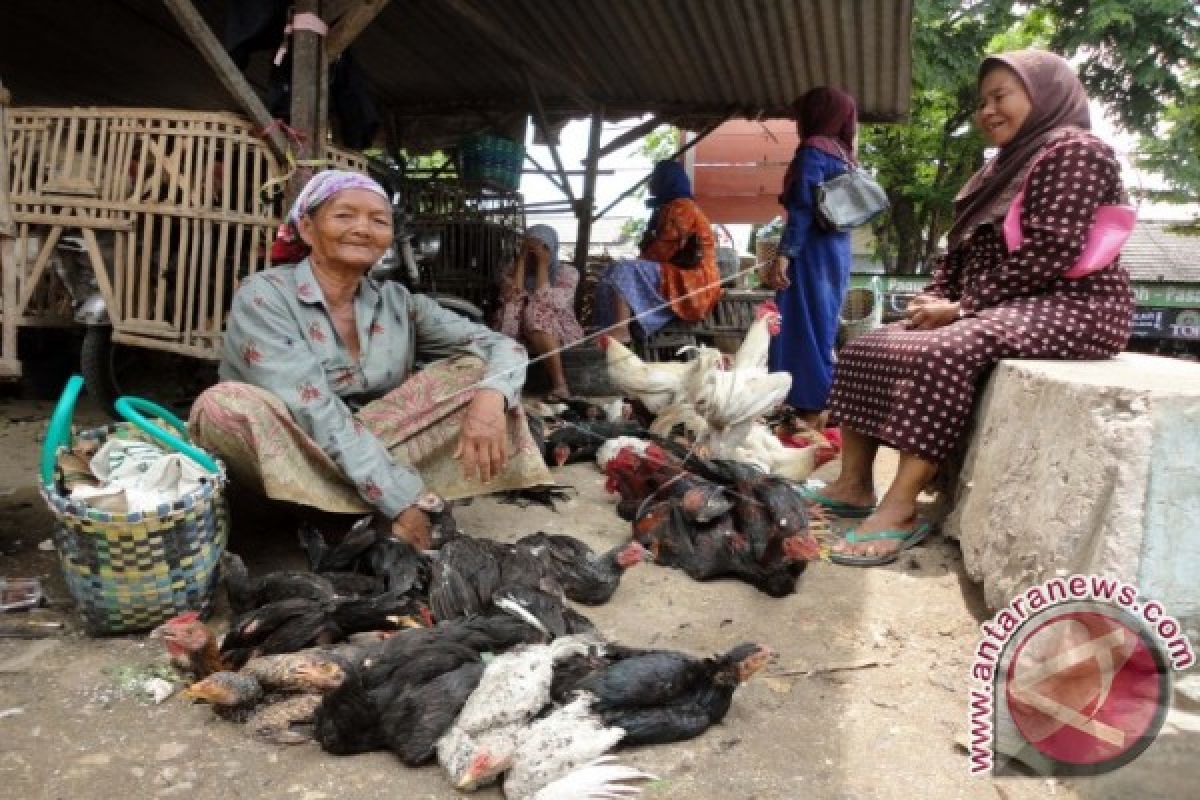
x: 409, y: 262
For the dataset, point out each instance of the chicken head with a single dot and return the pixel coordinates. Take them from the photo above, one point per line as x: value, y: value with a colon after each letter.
x: 183, y: 635
x: 226, y: 689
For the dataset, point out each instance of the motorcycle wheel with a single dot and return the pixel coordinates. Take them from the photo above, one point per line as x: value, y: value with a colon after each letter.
x: 111, y: 369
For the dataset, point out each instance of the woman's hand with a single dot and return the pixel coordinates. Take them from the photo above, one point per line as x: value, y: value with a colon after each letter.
x: 412, y: 525
x: 481, y: 445
x: 510, y: 290
x: 931, y: 313
x: 775, y: 276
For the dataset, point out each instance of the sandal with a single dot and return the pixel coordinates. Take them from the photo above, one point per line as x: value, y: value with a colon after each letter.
x: 835, y: 507
x: 907, y: 538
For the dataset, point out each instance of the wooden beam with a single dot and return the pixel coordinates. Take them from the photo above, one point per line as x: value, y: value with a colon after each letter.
x: 699, y: 138
x: 200, y: 35
x: 356, y: 17
x: 632, y: 135
x: 502, y: 39
x: 308, y: 77
x: 583, y: 210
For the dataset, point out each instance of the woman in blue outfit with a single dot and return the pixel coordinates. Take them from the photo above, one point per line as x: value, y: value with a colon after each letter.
x: 813, y: 267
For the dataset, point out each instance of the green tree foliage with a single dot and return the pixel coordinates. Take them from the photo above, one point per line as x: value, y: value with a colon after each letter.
x: 1139, y: 57
x: 923, y: 163
x: 1176, y: 153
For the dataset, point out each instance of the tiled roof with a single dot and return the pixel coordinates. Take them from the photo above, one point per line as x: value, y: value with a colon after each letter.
x: 1154, y: 253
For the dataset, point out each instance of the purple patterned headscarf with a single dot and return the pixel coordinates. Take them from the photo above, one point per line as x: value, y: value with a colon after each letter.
x: 288, y: 247
x: 326, y: 184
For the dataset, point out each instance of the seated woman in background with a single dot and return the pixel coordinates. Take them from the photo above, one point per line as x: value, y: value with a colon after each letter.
x: 674, y: 277
x: 912, y: 385
x: 319, y: 402
x: 538, y: 294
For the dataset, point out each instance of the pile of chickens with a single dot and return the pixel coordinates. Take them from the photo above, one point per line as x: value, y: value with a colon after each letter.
x: 712, y: 518
x: 468, y: 655
x: 719, y: 402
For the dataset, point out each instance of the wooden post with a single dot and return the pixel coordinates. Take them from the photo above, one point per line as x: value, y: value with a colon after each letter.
x: 583, y: 209
x: 310, y: 82
x: 200, y: 35
x: 10, y: 367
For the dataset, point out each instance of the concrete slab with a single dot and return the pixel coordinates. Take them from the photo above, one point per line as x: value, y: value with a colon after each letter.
x: 1085, y: 467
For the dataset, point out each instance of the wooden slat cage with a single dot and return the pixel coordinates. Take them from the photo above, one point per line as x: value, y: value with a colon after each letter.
x: 479, y: 229
x: 174, y: 209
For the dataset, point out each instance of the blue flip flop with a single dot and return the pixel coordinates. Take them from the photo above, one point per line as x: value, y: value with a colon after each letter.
x: 835, y: 507
x: 907, y: 538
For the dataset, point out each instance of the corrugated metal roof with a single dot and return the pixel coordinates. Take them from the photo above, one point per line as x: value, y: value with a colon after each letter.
x: 692, y: 60
x: 1154, y: 253
x: 699, y: 58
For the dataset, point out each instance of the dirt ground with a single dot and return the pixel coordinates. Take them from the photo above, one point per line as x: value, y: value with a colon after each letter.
x: 867, y: 699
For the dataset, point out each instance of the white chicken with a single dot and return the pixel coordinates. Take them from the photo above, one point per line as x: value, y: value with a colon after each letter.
x: 513, y: 689
x: 552, y: 747
x: 763, y: 448
x: 731, y: 400
x: 655, y: 385
x: 752, y: 354
x: 600, y: 780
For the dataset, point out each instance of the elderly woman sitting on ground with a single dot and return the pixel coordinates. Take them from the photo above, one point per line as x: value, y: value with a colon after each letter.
x: 321, y: 403
x: 539, y: 304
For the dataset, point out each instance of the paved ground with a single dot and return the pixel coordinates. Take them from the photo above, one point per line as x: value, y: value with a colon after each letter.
x: 867, y: 699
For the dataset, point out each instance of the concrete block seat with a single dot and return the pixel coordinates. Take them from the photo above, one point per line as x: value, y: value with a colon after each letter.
x: 1085, y: 467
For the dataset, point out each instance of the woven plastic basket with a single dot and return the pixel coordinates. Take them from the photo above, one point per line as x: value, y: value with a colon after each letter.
x: 130, y: 572
x: 766, y: 251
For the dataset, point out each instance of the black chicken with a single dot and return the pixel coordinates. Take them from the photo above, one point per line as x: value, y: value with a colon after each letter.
x: 415, y: 720
x: 369, y: 551
x: 468, y: 572
x: 246, y: 593
x: 571, y: 442
x: 293, y: 624
x: 660, y: 696
x: 407, y: 720
x: 584, y: 576
x: 717, y: 550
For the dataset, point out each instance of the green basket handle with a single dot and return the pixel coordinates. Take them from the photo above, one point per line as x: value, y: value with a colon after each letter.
x: 58, y: 432
x: 134, y: 410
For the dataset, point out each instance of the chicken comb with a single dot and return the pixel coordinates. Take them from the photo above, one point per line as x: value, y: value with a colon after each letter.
x: 184, y: 618
x: 764, y: 308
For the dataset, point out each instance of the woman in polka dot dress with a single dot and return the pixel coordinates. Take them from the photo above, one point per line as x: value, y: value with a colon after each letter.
x: 912, y: 385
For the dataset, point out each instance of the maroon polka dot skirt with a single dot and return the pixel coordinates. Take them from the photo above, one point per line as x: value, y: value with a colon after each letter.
x: 914, y: 390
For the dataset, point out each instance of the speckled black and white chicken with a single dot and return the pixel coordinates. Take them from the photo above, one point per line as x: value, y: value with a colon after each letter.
x: 515, y: 687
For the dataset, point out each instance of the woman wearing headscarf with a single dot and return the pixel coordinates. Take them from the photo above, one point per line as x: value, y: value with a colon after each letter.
x: 538, y: 294
x: 320, y: 403
x: 813, y: 266
x: 656, y: 288
x: 912, y: 385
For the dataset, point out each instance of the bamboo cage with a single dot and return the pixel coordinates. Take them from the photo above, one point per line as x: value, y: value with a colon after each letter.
x: 479, y: 230
x: 174, y: 209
